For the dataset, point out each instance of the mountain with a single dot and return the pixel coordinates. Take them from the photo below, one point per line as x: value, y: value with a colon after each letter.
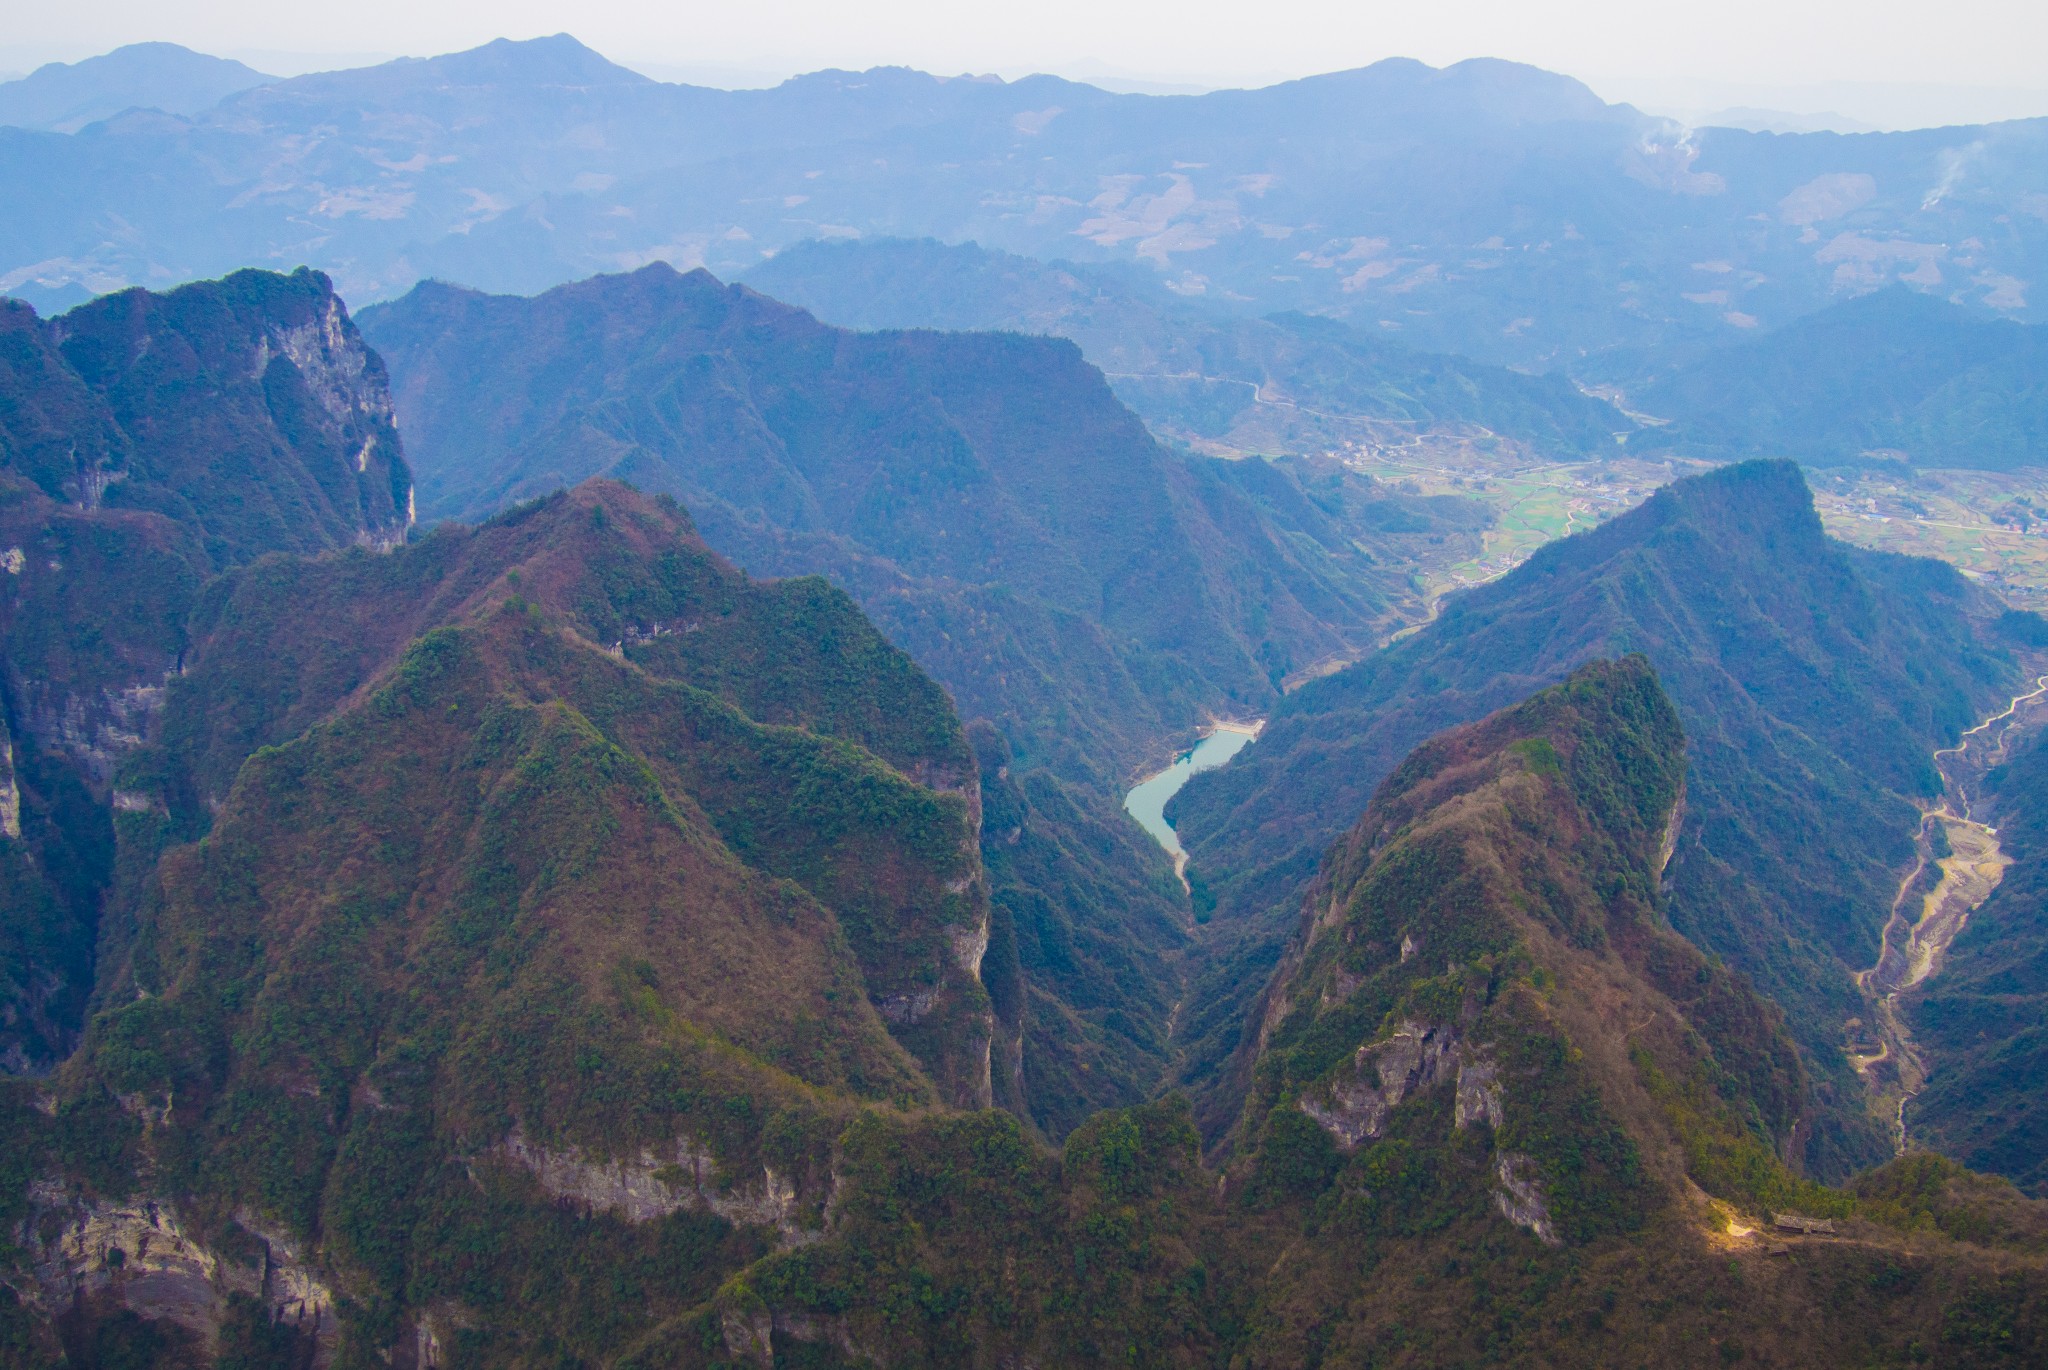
x: 247, y: 408
x: 1813, y: 680
x: 146, y: 442
x: 1289, y: 382
x: 405, y: 1084
x: 1483, y: 1021
x: 984, y: 495
x: 802, y: 771
x: 1486, y: 209
x: 64, y: 97
x: 1491, y: 1129
x: 451, y: 853
x: 1001, y: 517
x: 1892, y: 374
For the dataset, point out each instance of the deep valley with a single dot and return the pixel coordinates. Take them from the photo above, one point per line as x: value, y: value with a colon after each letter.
x: 1395, y: 720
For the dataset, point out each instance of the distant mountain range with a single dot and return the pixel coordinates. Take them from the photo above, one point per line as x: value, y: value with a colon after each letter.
x: 1488, y: 209
x: 1893, y: 375
x: 1285, y: 383
x: 65, y: 97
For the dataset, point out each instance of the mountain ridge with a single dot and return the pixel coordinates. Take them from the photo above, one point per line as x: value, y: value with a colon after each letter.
x: 737, y: 404
x: 432, y: 1061
x: 64, y: 97
x: 1194, y: 372
x: 1001, y: 516
x: 1889, y: 375
x: 1807, y: 737
x: 147, y: 442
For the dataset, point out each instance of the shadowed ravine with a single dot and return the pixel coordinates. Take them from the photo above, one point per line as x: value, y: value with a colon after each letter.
x: 1934, y: 902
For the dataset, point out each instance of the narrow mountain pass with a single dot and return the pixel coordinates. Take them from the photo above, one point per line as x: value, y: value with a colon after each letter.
x: 1960, y: 863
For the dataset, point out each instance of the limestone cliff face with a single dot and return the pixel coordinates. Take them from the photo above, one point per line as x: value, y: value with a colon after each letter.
x: 680, y: 1177
x: 147, y: 442
x: 138, y: 1255
x: 347, y: 380
x: 159, y: 437
x: 10, y: 790
x: 1354, y: 1105
x: 249, y: 404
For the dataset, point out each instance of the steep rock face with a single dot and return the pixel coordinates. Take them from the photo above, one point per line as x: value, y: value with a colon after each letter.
x: 653, y: 1185
x: 1814, y: 680
x: 245, y: 415
x: 137, y: 1257
x: 252, y: 409
x: 147, y: 441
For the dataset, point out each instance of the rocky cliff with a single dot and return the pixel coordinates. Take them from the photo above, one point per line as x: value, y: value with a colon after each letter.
x: 147, y: 441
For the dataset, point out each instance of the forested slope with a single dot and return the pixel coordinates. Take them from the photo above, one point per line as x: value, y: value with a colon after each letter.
x: 147, y: 441
x: 1890, y: 375
x: 1002, y: 517
x: 1814, y: 682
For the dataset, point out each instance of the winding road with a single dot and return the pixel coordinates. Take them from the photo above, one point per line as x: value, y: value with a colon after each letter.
x: 1918, y: 935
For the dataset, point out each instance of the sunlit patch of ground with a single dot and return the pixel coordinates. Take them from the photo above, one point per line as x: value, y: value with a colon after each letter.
x: 1534, y: 502
x: 1991, y: 525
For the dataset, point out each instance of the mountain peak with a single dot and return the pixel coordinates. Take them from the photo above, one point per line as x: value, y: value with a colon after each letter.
x: 1814, y: 681
x: 1746, y: 502
x: 1523, y: 92
x: 1488, y: 88
x: 64, y: 96
x: 558, y: 60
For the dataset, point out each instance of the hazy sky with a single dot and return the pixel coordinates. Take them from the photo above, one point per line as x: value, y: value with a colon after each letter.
x: 1992, y: 43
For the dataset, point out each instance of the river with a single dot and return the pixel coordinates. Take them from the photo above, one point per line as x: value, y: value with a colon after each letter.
x: 1934, y: 902
x: 1147, y: 801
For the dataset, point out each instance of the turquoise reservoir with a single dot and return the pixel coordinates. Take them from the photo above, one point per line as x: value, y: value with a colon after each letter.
x: 1147, y: 802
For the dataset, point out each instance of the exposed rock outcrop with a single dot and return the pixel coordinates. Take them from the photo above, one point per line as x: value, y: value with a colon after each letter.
x: 95, y: 729
x: 1355, y: 1105
x: 138, y: 1255
x: 10, y: 791
x: 1478, y: 1092
x: 653, y: 1185
x: 1519, y: 1199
